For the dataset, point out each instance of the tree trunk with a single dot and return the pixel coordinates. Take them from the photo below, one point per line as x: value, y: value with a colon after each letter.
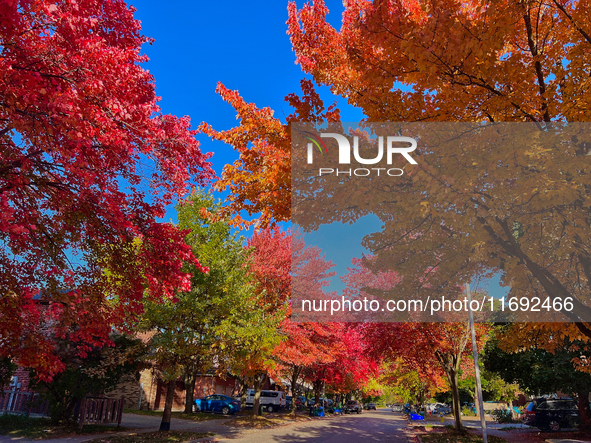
x: 584, y: 411
x: 455, y: 392
x: 258, y: 383
x: 244, y: 392
x: 317, y: 391
x: 451, y: 365
x: 190, y: 378
x: 167, y: 414
x: 420, y: 395
x: 294, y: 393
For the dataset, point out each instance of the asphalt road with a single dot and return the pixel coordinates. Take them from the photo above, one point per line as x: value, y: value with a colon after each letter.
x: 370, y: 426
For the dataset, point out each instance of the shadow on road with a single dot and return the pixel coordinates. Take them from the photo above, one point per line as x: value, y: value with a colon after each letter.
x: 380, y: 425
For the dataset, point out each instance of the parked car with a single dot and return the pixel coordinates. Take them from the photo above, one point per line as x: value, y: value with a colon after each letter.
x: 397, y: 407
x: 353, y: 406
x: 270, y: 400
x: 217, y: 403
x: 300, y: 401
x: 371, y: 406
x: 551, y: 414
x: 431, y: 407
x: 442, y: 409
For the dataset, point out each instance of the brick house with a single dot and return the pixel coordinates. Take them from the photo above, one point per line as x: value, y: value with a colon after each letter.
x: 150, y: 393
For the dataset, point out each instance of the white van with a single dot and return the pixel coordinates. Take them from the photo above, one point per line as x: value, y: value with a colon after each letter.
x: 270, y: 400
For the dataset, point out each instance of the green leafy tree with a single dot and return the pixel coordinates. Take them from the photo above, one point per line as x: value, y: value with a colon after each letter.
x: 539, y: 371
x: 253, y: 357
x: 207, y: 327
x: 494, y: 387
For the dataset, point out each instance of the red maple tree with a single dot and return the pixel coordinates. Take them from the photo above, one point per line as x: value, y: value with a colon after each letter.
x: 353, y: 365
x: 87, y: 165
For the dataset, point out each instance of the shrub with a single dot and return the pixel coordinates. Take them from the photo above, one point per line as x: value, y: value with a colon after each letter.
x: 502, y: 416
x: 468, y: 412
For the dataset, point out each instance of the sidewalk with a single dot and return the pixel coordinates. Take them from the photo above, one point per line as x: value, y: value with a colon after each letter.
x: 468, y: 422
x: 519, y: 433
x: 561, y: 440
x: 144, y: 423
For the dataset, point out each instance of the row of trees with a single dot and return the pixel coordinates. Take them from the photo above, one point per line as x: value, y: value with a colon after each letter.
x: 514, y: 358
x: 516, y: 209
x: 236, y: 317
x: 235, y: 320
x: 84, y: 252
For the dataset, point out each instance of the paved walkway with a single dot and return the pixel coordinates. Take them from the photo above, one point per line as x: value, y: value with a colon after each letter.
x: 473, y: 425
x: 561, y: 440
x: 520, y: 433
x: 145, y: 423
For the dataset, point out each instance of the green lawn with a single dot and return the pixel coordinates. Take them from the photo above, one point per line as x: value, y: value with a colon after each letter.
x: 195, y: 416
x: 153, y: 437
x: 42, y: 428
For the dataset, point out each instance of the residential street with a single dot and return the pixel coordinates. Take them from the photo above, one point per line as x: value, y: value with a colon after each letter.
x: 371, y: 426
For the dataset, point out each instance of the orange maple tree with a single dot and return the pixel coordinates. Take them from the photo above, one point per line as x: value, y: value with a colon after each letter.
x: 516, y: 207
x: 524, y: 207
x: 435, y: 350
x: 460, y: 61
x: 259, y: 180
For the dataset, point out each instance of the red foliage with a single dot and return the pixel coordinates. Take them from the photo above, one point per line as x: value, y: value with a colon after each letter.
x: 79, y: 121
x: 271, y: 264
x: 353, y: 364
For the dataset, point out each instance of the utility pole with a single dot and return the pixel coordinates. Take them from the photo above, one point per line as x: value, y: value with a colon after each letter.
x: 476, y: 367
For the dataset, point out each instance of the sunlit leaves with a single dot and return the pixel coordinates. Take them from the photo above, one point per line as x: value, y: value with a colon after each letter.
x: 87, y: 164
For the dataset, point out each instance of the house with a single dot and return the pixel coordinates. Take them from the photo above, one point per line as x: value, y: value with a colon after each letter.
x: 149, y: 392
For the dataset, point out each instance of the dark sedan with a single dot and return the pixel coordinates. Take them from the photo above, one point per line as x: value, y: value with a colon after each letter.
x: 552, y: 414
x: 217, y: 403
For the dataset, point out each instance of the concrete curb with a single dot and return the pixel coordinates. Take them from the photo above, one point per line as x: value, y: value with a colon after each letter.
x: 565, y: 440
x: 415, y: 436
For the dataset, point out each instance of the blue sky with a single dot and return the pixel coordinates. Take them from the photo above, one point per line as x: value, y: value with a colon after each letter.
x: 244, y: 45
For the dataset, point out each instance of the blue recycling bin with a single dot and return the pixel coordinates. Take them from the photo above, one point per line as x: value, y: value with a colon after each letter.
x: 416, y: 417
